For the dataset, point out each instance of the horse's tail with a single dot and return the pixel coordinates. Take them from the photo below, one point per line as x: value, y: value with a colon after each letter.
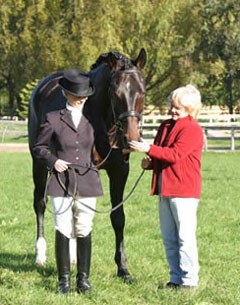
x: 34, y: 110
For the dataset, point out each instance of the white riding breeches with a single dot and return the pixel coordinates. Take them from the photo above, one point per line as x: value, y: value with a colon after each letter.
x: 73, y: 218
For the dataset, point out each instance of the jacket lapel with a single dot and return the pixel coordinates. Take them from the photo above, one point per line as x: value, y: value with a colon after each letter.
x: 166, y: 130
x: 67, y: 118
x: 169, y: 129
x: 82, y: 123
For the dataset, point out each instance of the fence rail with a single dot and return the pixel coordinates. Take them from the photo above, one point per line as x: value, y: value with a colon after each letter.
x: 215, y: 127
x: 217, y: 119
x: 231, y: 134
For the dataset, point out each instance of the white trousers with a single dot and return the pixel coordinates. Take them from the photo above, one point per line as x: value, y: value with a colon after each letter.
x: 71, y: 217
x: 178, y: 220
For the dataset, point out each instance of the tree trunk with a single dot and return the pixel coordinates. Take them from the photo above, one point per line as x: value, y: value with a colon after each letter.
x: 229, y: 93
x: 11, y: 95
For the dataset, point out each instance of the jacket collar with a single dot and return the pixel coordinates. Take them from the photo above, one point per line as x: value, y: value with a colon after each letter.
x: 169, y: 125
x: 65, y: 116
x: 167, y: 130
x: 183, y: 121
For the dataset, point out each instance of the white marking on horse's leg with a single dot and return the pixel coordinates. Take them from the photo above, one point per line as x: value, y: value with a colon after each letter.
x: 73, y: 251
x: 41, y: 248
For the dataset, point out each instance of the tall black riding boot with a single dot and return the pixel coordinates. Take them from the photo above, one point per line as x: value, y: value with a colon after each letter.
x: 63, y: 262
x: 84, y: 247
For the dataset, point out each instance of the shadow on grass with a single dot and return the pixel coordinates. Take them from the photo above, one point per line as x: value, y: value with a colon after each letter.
x: 23, y: 263
x: 15, y: 266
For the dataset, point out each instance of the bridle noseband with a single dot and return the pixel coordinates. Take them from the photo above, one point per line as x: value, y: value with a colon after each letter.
x: 130, y: 113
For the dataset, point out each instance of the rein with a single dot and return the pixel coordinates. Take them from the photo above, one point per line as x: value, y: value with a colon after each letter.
x: 74, y: 194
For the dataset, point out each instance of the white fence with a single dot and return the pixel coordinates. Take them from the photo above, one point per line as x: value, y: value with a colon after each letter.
x: 229, y: 134
x: 222, y: 127
x: 204, y: 120
x: 216, y: 127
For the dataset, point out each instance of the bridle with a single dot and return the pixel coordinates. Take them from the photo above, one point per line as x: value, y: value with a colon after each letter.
x: 130, y: 113
x: 118, y: 120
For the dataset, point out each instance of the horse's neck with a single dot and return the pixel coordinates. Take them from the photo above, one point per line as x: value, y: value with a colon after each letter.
x: 100, y: 101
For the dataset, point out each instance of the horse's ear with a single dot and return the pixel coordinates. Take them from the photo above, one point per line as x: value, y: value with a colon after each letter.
x: 141, y: 59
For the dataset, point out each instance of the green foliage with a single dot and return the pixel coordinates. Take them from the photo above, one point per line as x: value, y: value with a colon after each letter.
x: 25, y: 95
x: 218, y: 50
x: 187, y: 41
x: 21, y: 282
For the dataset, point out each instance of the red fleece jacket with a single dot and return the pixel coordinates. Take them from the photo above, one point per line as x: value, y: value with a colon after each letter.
x: 177, y: 153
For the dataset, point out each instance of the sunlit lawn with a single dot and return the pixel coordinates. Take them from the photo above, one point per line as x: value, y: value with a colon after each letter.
x: 21, y: 282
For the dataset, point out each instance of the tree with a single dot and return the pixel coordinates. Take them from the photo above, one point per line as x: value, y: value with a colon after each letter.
x: 219, y: 49
x: 25, y: 95
x: 162, y: 28
x: 29, y: 44
x: 187, y: 41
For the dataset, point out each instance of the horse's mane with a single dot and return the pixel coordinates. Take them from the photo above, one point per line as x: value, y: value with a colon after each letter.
x: 125, y: 62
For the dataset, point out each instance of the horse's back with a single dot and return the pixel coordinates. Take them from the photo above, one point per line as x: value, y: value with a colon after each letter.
x: 46, y: 97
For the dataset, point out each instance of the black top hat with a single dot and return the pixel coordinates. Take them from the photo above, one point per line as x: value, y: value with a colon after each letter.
x: 76, y: 83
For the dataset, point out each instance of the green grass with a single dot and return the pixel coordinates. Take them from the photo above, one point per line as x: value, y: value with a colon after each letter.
x: 12, y: 139
x: 21, y: 282
x: 222, y: 145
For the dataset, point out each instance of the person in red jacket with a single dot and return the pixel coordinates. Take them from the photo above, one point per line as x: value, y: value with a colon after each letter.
x: 175, y: 158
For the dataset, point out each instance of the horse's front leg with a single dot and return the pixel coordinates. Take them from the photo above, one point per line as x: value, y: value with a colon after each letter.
x: 39, y: 179
x: 118, y: 176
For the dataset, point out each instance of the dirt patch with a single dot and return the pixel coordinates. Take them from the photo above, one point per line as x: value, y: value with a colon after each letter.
x: 14, y: 148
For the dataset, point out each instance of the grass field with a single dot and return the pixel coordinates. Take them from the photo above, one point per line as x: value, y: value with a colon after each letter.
x: 21, y: 282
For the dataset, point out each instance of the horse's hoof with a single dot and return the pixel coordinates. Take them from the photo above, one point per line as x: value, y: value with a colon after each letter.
x: 127, y: 279
x: 40, y: 259
x: 125, y: 276
x: 39, y: 263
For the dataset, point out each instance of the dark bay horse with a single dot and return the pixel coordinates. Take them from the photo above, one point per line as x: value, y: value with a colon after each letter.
x: 116, y: 107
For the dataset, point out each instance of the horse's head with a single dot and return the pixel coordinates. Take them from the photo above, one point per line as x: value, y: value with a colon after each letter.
x: 126, y: 92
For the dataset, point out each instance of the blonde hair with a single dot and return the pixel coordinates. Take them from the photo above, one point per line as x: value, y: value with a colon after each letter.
x: 189, y: 97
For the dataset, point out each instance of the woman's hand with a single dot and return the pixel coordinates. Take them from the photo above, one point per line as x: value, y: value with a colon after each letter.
x: 61, y: 165
x: 140, y: 146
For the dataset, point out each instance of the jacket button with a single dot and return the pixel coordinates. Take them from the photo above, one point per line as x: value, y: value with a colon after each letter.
x: 77, y: 142
x: 77, y: 158
x: 77, y: 149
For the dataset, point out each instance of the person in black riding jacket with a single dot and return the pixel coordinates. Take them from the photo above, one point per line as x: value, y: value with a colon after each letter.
x: 64, y: 146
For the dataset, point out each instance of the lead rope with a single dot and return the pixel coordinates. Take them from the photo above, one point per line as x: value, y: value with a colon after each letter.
x: 75, y: 191
x: 74, y: 195
x: 119, y: 204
